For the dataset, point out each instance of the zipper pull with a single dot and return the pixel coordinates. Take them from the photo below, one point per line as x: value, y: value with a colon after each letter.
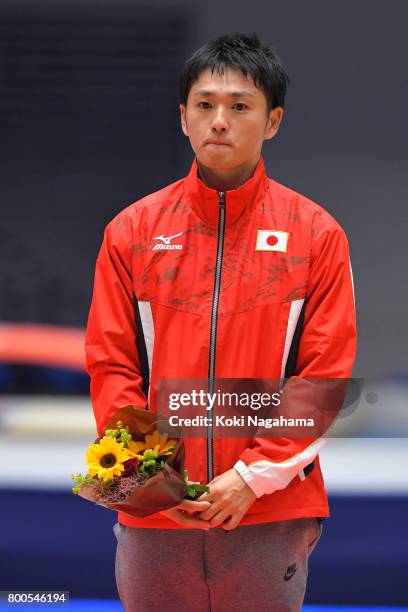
x: 221, y: 198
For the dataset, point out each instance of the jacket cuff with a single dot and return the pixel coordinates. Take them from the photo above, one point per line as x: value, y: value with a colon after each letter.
x: 265, y: 476
x: 250, y: 479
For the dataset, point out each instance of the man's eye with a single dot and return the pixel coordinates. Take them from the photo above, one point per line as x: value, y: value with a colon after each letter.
x: 240, y: 106
x: 204, y: 105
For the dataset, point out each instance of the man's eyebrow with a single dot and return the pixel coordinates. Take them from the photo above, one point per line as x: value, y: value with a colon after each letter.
x: 233, y: 94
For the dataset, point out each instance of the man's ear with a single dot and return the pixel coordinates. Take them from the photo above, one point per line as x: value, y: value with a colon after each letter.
x: 183, y: 111
x: 273, y: 123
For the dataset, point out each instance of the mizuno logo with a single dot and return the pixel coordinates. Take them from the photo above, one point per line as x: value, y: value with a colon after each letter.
x: 168, y: 239
x: 165, y: 244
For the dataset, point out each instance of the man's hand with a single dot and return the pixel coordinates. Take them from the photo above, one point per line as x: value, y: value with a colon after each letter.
x: 181, y: 514
x: 230, y: 496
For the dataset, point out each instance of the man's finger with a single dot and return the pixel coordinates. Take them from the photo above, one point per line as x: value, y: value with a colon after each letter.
x: 219, y: 518
x: 210, y: 496
x: 232, y: 522
x: 182, y: 518
x: 185, y: 519
x: 193, y: 506
x: 211, y: 511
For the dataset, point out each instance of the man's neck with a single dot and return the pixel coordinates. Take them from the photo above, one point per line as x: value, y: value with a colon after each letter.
x: 225, y: 180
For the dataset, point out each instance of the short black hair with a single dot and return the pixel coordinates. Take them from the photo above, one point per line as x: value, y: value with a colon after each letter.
x: 241, y: 52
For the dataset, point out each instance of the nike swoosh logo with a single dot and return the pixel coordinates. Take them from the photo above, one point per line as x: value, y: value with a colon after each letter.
x: 290, y: 572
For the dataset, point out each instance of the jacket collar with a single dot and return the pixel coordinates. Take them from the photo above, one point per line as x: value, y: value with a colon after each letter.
x: 238, y: 202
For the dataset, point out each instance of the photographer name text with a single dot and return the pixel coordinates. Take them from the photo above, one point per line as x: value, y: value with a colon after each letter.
x: 239, y: 421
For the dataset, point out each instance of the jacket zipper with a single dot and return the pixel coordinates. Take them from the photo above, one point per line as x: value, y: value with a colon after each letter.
x: 213, y: 333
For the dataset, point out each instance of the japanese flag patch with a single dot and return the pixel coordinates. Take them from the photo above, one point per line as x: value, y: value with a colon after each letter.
x: 271, y: 240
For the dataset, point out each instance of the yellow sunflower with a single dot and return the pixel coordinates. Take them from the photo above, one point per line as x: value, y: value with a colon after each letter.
x: 105, y: 459
x: 153, y: 442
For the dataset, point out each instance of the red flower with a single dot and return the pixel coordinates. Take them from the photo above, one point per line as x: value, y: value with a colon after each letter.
x: 131, y: 466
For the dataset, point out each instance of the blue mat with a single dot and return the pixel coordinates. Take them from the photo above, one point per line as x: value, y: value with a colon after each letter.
x: 108, y: 605
x: 51, y: 540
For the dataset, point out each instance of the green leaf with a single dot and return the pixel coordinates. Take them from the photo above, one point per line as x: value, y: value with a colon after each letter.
x: 201, y: 488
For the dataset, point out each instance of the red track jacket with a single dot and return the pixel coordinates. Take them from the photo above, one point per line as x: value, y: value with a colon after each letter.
x: 251, y: 283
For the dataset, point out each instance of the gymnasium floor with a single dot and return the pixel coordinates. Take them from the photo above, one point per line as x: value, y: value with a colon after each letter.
x: 364, y: 545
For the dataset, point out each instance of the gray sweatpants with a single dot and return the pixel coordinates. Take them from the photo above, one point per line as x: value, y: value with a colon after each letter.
x: 254, y: 568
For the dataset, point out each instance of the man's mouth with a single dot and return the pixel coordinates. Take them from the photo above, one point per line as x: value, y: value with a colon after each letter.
x: 217, y: 143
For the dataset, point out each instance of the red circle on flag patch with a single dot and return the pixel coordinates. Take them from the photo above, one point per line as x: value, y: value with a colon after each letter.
x: 272, y: 240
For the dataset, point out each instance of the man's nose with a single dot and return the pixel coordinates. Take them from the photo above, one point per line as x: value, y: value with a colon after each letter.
x: 219, y: 122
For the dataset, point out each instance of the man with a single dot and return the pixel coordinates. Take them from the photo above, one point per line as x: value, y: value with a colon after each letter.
x: 254, y: 281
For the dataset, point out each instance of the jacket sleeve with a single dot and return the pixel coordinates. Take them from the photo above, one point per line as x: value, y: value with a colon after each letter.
x: 326, y: 350
x: 112, y: 359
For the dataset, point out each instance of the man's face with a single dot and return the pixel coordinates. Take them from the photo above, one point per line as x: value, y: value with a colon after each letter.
x: 226, y: 120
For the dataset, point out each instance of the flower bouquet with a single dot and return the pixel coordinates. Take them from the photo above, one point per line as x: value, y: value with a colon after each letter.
x: 134, y: 468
